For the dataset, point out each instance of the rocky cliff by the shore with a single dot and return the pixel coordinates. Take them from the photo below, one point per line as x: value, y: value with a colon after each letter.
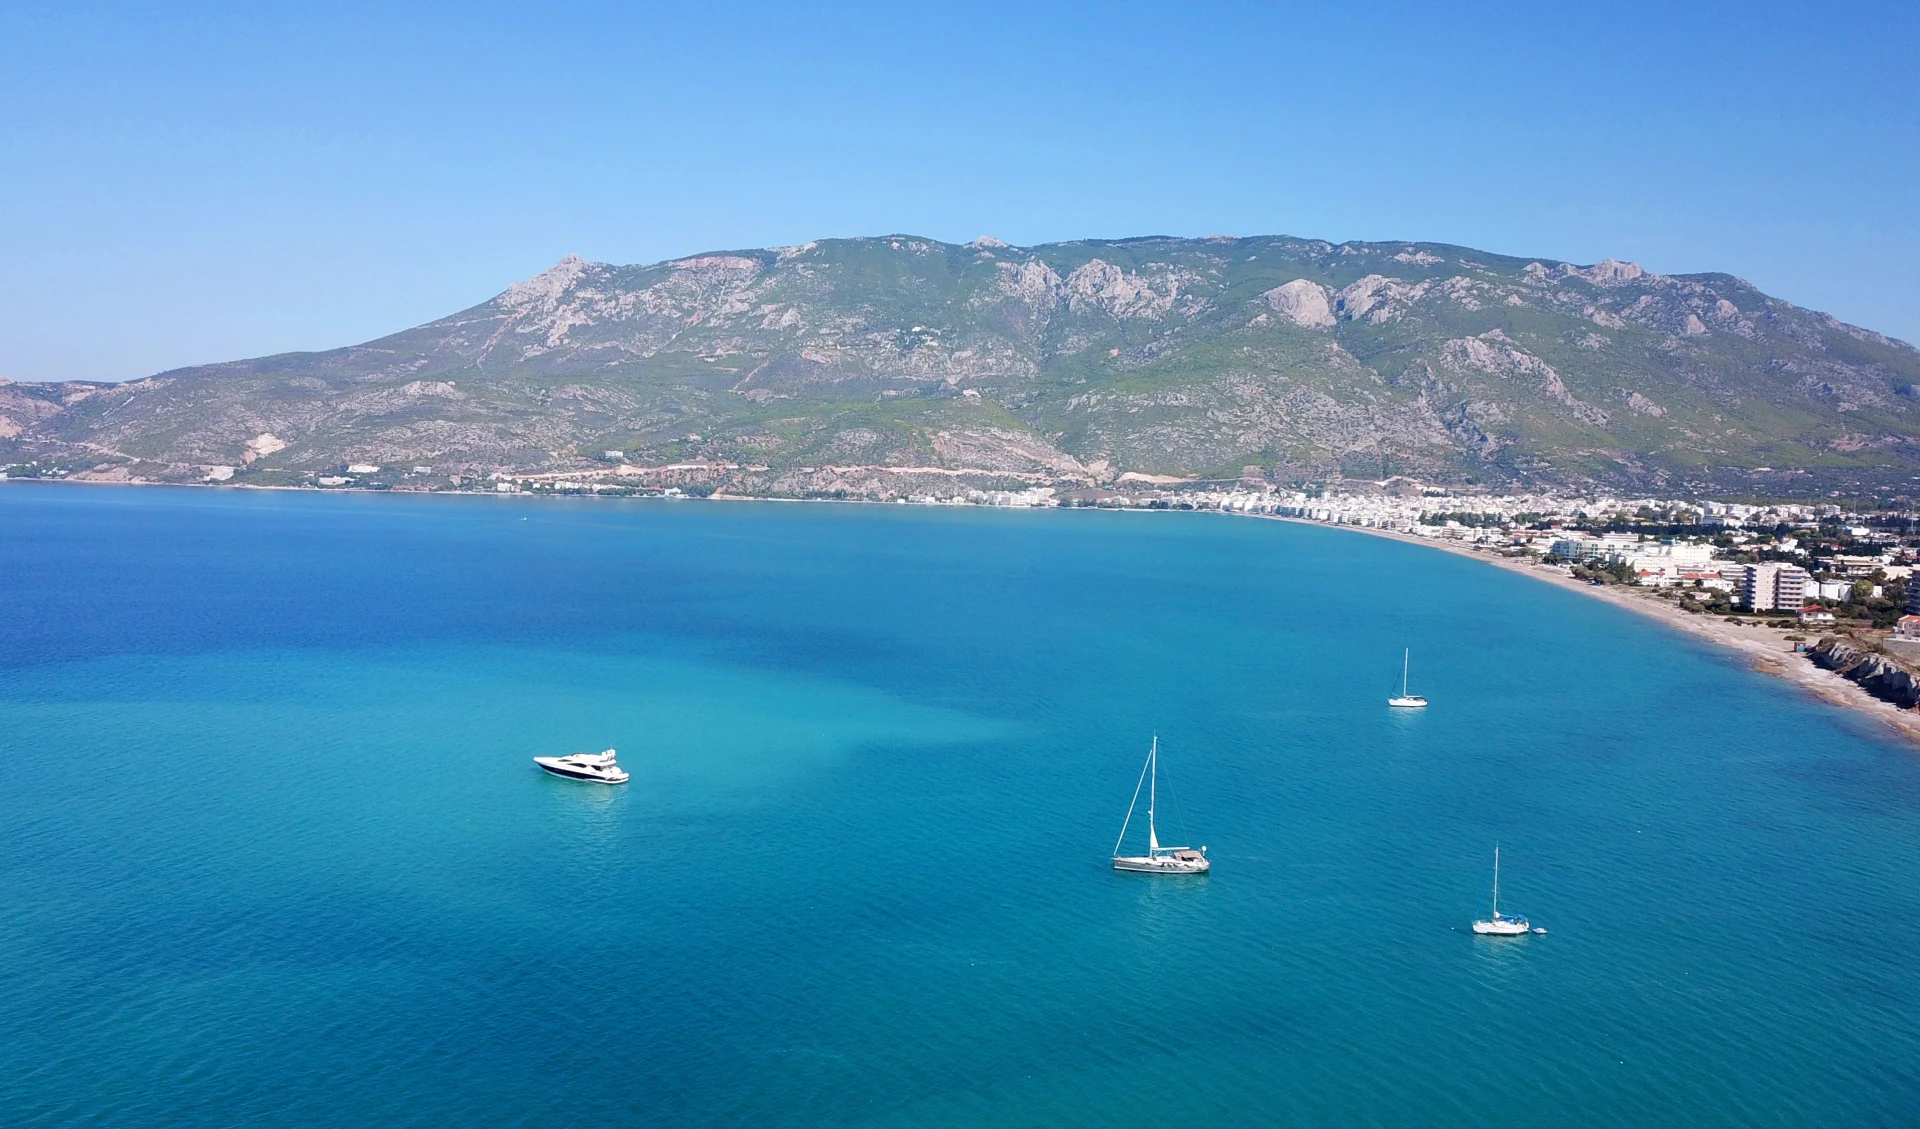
x: 1877, y: 674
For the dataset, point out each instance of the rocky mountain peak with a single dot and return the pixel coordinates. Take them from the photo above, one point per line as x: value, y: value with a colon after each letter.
x: 547, y: 286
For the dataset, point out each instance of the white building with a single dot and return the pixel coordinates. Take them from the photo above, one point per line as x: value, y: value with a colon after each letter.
x: 1666, y: 564
x: 1831, y: 589
x: 1856, y: 565
x: 1770, y: 587
x: 1577, y: 547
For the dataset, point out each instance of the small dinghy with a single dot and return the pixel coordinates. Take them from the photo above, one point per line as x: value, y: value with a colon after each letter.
x: 597, y: 767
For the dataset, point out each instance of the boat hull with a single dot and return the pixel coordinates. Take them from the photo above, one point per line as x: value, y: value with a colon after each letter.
x: 1408, y: 703
x: 1142, y: 865
x: 576, y: 774
x: 1505, y: 927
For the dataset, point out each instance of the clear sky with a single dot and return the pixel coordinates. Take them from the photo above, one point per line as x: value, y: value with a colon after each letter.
x: 183, y: 183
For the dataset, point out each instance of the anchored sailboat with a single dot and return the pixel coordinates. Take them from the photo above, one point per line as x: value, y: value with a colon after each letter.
x: 1406, y: 700
x: 1158, y: 859
x: 1498, y: 926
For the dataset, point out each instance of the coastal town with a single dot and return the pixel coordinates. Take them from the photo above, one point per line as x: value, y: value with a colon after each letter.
x: 1814, y: 563
x: 1789, y: 563
x: 1761, y: 579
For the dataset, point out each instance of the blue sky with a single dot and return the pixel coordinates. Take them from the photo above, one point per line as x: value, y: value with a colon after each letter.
x: 184, y: 183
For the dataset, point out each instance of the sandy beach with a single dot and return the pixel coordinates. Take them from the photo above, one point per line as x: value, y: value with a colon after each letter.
x: 1765, y: 648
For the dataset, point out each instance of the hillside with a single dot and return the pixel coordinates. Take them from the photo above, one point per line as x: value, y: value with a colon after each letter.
x: 1083, y: 360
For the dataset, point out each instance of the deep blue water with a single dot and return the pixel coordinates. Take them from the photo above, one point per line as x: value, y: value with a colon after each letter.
x: 272, y: 849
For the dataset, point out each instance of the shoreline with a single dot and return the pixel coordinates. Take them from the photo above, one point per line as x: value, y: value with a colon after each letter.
x: 1763, y: 647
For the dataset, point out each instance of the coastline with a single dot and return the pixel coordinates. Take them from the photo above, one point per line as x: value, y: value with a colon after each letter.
x: 1763, y: 647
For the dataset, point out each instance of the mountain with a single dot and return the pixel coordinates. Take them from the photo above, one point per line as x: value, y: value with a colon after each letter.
x: 1084, y: 360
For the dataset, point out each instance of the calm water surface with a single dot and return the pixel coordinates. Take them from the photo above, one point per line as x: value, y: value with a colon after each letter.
x: 272, y: 849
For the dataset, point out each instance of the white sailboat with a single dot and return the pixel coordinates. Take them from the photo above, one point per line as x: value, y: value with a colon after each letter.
x: 1497, y: 925
x: 1158, y: 859
x: 1406, y: 700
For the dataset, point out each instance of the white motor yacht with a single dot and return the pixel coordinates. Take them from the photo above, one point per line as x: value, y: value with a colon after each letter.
x: 597, y: 767
x: 1502, y: 925
x: 1158, y: 859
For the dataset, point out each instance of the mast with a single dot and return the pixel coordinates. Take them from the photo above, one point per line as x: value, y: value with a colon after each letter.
x: 1496, y: 881
x: 1406, y: 658
x: 1153, y: 791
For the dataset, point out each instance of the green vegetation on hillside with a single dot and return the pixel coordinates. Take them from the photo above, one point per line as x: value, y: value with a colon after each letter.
x: 1190, y: 357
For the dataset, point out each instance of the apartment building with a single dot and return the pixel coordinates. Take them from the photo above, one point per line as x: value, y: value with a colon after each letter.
x: 1771, y: 587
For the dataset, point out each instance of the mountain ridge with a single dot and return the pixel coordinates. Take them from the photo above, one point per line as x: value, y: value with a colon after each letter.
x: 1089, y: 359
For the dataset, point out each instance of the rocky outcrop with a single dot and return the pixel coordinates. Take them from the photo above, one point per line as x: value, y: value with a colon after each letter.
x: 1876, y: 674
x: 1123, y: 293
x: 1302, y: 302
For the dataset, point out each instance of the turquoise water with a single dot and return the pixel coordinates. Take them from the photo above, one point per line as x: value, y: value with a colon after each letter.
x: 272, y: 849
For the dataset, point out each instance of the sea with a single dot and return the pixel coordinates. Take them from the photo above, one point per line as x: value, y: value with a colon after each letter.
x: 273, y: 848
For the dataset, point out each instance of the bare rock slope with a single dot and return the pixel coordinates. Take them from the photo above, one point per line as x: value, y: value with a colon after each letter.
x: 1161, y: 356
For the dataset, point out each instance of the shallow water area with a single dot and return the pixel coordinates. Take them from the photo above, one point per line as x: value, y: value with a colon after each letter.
x: 272, y: 845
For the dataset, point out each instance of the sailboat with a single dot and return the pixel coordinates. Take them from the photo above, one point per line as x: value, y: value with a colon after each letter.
x: 1498, y: 926
x: 1158, y: 859
x: 1406, y: 700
